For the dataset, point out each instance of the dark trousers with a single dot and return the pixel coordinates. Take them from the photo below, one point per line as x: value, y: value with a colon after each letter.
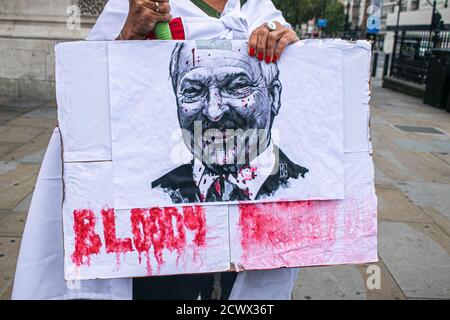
x: 182, y: 287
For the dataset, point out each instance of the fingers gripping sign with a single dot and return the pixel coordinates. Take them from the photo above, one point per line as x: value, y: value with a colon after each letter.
x: 270, y: 40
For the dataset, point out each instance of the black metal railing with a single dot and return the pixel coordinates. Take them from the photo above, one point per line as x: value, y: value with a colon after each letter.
x: 412, y: 51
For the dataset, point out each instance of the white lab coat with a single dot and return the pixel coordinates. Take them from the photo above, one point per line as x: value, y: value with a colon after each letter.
x: 39, y: 272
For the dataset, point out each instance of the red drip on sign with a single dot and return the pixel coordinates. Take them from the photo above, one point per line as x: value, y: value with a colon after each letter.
x: 162, y: 229
x: 112, y: 243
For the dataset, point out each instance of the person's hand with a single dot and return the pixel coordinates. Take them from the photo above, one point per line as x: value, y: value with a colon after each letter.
x: 269, y: 45
x: 142, y: 18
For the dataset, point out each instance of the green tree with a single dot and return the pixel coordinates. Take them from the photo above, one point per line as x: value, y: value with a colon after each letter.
x: 290, y: 9
x: 335, y: 14
x: 300, y: 11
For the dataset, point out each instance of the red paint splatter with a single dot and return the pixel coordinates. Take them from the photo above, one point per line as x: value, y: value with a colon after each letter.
x: 247, y: 173
x: 272, y: 227
x: 171, y: 240
x: 114, y: 245
x: 87, y: 242
x: 195, y: 220
x: 162, y: 229
x: 155, y: 227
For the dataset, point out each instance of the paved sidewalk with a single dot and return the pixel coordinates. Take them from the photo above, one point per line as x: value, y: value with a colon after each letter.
x: 25, y: 129
x: 413, y: 186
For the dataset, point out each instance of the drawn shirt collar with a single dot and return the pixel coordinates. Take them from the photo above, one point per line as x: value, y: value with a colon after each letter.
x: 250, y: 177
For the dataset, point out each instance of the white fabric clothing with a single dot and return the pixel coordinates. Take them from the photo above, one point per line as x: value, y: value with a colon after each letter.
x: 39, y: 272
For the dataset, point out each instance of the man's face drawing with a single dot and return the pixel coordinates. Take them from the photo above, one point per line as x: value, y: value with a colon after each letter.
x: 221, y: 91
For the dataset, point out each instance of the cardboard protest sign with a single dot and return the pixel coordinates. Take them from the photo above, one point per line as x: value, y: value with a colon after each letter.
x: 192, y: 157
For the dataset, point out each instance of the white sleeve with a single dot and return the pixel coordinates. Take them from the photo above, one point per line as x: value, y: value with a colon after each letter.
x: 276, y: 284
x: 111, y: 21
x: 258, y: 12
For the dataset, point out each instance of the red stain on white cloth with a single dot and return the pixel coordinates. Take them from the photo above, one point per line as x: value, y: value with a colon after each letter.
x: 87, y: 242
x: 154, y: 229
x: 271, y: 229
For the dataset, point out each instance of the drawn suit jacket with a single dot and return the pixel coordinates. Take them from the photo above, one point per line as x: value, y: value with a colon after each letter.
x: 182, y: 188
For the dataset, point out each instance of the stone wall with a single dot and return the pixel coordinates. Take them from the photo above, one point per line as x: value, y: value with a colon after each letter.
x: 91, y: 7
x: 28, y: 32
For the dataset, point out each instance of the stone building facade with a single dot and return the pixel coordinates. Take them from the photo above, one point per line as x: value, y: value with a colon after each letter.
x: 28, y: 31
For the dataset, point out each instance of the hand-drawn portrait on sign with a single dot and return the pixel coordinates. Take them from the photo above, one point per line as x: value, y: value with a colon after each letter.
x: 227, y: 102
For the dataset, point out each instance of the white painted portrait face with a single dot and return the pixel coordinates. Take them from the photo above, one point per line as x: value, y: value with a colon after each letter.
x: 225, y: 94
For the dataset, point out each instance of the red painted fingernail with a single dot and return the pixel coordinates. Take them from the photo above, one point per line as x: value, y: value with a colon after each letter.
x: 275, y: 59
x: 260, y: 56
x: 252, y: 52
x: 268, y: 59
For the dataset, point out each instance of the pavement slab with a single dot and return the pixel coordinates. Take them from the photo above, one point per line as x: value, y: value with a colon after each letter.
x: 387, y: 129
x: 393, y: 205
x: 3, y: 213
x: 36, y: 157
x: 389, y: 288
x: 6, y: 116
x: 381, y: 179
x: 412, y: 166
x: 12, y: 224
x: 32, y: 122
x: 433, y: 232
x: 6, y: 147
x: 418, y: 264
x: 438, y: 218
x: 436, y: 146
x: 24, y: 205
x: 6, y: 167
x: 32, y: 151
x: 9, y: 249
x: 330, y: 283
x: 18, y: 134
x: 42, y: 112
x: 17, y: 184
x: 443, y: 156
x: 51, y: 104
x: 435, y: 195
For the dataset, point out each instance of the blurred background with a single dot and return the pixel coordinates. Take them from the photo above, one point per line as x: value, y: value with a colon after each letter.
x: 410, y: 126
